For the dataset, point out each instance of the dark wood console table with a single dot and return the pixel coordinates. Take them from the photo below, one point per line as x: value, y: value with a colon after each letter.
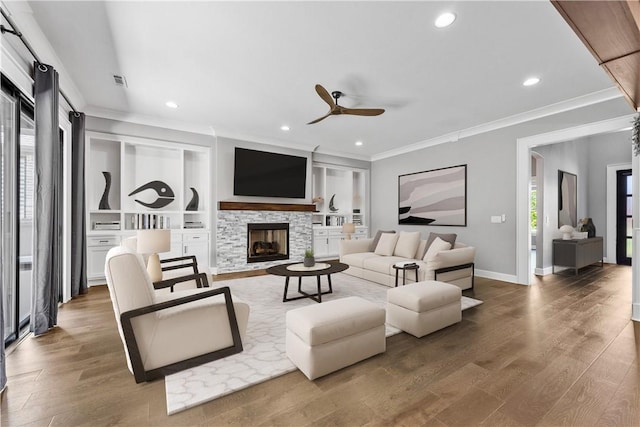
x: 577, y: 253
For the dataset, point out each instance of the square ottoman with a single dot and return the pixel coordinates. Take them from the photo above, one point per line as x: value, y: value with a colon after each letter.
x: 323, y: 338
x: 424, y: 307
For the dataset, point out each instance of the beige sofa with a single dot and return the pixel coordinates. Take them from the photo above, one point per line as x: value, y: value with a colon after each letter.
x: 453, y: 266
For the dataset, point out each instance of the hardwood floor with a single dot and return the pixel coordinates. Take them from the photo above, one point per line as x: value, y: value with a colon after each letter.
x: 561, y: 352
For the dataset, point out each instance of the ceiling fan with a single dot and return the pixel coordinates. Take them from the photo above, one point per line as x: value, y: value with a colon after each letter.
x: 335, y: 109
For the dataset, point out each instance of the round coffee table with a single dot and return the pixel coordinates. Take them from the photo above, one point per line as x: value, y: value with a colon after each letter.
x: 296, y: 270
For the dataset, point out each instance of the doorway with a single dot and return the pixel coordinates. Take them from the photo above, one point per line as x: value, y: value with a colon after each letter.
x: 624, y: 217
x: 17, y: 189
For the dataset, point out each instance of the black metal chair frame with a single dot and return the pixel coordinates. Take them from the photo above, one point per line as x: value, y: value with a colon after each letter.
x: 200, y: 278
x: 132, y: 346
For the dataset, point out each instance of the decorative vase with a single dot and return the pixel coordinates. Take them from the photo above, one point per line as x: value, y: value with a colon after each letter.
x: 589, y: 227
x: 309, y: 261
x: 104, y: 200
x: 195, y: 200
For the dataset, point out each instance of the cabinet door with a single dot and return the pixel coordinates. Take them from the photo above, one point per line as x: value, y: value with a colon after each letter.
x: 96, y: 257
x: 197, y: 245
x: 320, y: 243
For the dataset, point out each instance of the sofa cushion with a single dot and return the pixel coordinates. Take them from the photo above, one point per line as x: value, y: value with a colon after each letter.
x: 386, y: 244
x: 438, y: 245
x: 447, y: 237
x: 382, y: 264
x: 407, y: 244
x: 376, y: 239
x: 357, y: 260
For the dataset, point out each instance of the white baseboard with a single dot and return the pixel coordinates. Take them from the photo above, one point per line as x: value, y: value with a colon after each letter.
x: 511, y: 278
x: 213, y: 270
x: 543, y: 271
x: 610, y: 261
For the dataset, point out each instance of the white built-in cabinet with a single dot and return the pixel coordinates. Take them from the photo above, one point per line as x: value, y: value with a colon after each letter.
x: 348, y: 187
x: 133, y: 162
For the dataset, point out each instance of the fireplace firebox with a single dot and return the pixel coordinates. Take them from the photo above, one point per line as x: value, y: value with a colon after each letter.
x: 267, y: 242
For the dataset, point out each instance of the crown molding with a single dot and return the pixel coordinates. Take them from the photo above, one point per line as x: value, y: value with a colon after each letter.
x: 538, y: 113
x: 141, y: 119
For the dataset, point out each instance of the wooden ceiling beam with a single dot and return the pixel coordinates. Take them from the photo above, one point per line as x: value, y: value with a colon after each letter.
x: 611, y: 32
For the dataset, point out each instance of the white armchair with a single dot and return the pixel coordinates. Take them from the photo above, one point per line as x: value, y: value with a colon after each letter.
x: 163, y: 333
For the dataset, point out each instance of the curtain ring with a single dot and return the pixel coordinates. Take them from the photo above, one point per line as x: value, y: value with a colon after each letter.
x: 43, y: 68
x: 76, y: 114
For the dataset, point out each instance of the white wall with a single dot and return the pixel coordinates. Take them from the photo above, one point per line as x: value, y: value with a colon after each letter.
x: 491, y: 184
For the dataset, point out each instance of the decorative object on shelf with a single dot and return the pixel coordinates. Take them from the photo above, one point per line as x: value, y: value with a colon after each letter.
x: 309, y: 260
x: 104, y: 200
x: 586, y: 224
x: 195, y: 200
x: 332, y: 208
x: 567, y: 232
x: 348, y: 228
x: 151, y: 242
x: 567, y: 199
x: 416, y: 192
x: 635, y: 135
x: 164, y: 192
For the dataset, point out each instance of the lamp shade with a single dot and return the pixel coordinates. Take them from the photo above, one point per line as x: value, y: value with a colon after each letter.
x: 348, y: 228
x: 154, y: 241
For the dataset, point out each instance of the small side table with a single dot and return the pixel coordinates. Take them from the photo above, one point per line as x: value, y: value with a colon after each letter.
x: 405, y: 268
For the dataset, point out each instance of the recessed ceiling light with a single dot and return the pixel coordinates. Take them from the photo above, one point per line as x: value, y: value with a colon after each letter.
x: 171, y: 104
x: 358, y: 143
x: 445, y: 19
x: 531, y: 81
x: 285, y: 128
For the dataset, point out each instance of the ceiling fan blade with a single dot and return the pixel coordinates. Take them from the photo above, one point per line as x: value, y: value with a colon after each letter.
x: 321, y: 118
x: 363, y: 111
x: 326, y: 97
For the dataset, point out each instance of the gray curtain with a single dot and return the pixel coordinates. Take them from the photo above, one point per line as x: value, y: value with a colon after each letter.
x: 3, y: 371
x: 78, y: 218
x: 47, y: 266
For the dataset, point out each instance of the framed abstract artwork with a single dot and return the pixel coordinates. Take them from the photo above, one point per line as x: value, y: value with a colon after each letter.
x: 567, y: 199
x: 434, y: 197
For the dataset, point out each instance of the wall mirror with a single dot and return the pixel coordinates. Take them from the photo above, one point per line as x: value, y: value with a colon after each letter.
x: 567, y: 199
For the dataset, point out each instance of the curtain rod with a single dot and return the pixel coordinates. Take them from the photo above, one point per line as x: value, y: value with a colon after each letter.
x: 16, y: 32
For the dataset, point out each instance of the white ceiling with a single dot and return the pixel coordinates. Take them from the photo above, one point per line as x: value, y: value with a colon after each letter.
x: 246, y: 68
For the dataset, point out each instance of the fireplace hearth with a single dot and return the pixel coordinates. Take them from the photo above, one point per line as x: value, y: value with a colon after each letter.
x: 267, y: 242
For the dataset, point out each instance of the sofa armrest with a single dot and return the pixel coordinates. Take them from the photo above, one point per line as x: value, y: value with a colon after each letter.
x: 354, y: 246
x: 452, y: 258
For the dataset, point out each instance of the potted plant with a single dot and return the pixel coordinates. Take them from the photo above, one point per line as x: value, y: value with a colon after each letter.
x: 309, y: 260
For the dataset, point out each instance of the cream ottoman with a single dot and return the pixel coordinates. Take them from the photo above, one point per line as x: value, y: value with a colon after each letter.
x: 323, y: 338
x: 424, y: 307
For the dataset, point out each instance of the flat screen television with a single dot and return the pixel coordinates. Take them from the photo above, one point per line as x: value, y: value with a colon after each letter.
x: 259, y: 173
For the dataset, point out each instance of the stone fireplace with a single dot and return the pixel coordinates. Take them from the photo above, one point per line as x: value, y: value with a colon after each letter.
x: 267, y: 242
x: 233, y: 241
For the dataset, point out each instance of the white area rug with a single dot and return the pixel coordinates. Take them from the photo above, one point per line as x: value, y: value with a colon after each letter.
x: 264, y: 355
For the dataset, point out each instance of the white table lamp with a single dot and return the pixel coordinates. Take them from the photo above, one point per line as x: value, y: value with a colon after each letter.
x: 348, y: 228
x: 152, y: 242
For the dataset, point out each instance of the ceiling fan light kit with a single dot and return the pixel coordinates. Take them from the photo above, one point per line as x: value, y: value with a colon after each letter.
x: 335, y: 109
